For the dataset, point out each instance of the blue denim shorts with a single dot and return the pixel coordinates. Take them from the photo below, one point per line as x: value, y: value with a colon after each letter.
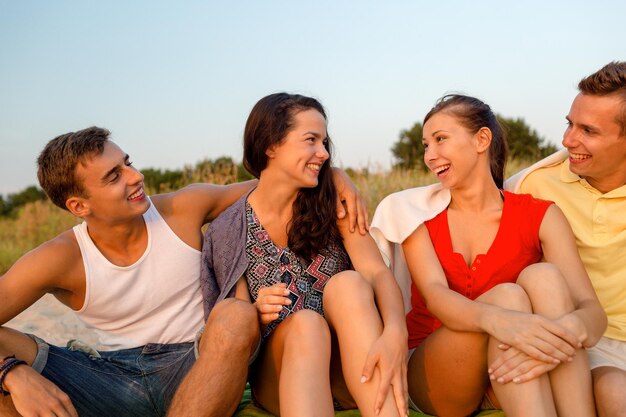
x: 130, y: 382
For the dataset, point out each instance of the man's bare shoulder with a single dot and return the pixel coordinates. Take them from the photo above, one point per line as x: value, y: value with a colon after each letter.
x: 55, y: 267
x: 64, y: 243
x: 53, y: 262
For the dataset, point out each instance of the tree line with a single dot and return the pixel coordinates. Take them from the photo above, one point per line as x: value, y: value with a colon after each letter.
x: 524, y: 143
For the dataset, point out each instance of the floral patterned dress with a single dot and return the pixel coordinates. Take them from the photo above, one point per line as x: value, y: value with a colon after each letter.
x: 269, y: 264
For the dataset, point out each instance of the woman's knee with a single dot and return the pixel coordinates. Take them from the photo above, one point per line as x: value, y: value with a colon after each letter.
x: 508, y: 295
x: 307, y: 330
x: 541, y: 277
x: 544, y: 283
x: 349, y: 289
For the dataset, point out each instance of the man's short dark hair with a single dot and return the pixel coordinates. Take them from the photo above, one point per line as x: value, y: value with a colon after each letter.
x: 609, y: 80
x: 58, y: 160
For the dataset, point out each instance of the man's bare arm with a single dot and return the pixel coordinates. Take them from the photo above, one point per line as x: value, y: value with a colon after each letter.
x: 49, y: 268
x: 189, y: 208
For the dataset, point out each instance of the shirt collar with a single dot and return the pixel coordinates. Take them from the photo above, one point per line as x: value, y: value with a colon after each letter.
x: 568, y: 176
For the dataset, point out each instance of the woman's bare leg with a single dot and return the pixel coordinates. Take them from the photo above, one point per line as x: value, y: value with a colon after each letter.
x: 291, y: 376
x: 533, y: 397
x: 448, y: 372
x: 351, y: 311
x: 571, y: 381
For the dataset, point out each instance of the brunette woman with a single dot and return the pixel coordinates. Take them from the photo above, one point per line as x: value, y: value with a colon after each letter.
x: 333, y: 330
x: 501, y: 305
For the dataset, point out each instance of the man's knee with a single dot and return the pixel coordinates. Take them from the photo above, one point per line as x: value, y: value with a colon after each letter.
x: 608, y: 388
x: 233, y: 323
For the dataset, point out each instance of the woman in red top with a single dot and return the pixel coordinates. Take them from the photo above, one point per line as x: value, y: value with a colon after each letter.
x: 489, y: 323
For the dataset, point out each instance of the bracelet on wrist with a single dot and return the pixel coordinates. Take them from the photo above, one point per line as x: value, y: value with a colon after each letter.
x: 7, y: 364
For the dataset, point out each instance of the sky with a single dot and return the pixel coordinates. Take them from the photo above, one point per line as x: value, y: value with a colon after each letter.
x: 175, y: 81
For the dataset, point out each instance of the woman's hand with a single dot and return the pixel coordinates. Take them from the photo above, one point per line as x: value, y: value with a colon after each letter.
x: 540, y: 338
x: 390, y: 355
x: 514, y: 365
x: 270, y: 302
x: 574, y: 323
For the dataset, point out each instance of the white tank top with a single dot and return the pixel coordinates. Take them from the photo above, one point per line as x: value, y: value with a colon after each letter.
x: 155, y: 300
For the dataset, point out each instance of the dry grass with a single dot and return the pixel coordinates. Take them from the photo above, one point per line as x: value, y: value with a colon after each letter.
x: 40, y: 221
x: 34, y: 224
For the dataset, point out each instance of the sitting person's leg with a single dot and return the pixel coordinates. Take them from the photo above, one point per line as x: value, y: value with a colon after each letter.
x: 98, y: 384
x: 291, y: 375
x: 448, y: 371
x: 608, y: 363
x: 351, y: 310
x: 214, y: 385
x: 550, y: 298
x: 533, y: 397
x: 609, y: 391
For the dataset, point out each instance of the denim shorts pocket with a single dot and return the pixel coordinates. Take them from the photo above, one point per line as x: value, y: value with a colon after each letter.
x: 157, y: 357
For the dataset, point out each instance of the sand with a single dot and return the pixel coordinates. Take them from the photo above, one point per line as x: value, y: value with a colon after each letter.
x: 53, y: 322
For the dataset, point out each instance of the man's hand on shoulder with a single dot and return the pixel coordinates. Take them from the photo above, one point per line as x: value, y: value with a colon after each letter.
x: 348, y: 195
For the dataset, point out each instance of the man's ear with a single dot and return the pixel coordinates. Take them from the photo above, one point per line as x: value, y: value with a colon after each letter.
x: 78, y: 206
x: 483, y: 139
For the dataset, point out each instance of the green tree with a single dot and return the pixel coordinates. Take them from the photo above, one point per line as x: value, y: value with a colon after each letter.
x: 28, y: 195
x: 12, y: 202
x: 408, y: 151
x: 222, y: 170
x: 3, y: 206
x: 158, y: 180
x: 524, y: 143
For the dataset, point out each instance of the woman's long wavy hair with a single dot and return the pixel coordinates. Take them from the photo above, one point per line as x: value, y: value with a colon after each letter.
x: 473, y: 114
x: 313, y: 225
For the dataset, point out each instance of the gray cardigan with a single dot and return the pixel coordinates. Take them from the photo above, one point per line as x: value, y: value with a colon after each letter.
x: 223, y: 264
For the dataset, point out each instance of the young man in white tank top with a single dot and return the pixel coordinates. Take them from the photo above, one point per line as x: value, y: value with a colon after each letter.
x: 130, y: 272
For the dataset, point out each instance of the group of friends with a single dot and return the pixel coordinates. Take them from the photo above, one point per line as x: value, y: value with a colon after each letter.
x: 472, y: 293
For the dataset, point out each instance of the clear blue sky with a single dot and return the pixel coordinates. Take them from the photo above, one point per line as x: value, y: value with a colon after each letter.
x: 174, y: 81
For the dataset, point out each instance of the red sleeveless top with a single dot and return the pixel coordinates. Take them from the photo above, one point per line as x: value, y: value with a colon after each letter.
x: 515, y: 246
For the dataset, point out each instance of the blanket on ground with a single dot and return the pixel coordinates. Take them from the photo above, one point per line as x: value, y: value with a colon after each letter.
x: 247, y: 409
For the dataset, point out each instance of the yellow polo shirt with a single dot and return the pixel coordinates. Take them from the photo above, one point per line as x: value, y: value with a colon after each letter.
x: 599, y: 224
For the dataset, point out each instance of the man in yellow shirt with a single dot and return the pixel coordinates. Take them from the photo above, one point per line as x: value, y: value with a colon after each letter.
x: 587, y: 180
